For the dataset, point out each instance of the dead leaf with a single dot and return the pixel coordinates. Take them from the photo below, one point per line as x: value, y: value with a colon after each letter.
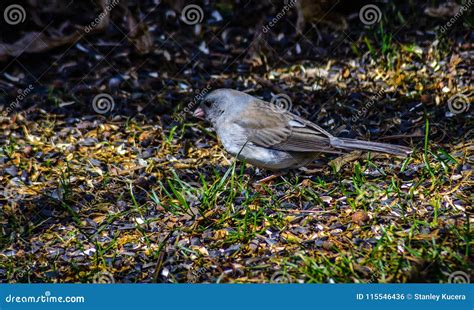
x: 34, y: 42
x: 139, y: 35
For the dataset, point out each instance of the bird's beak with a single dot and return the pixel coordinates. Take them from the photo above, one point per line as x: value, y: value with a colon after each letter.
x: 199, y: 113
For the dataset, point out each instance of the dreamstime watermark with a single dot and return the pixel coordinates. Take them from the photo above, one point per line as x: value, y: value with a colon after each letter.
x: 370, y: 14
x: 374, y: 278
x: 362, y: 112
x: 280, y: 277
x: 179, y: 117
x: 22, y: 93
x: 47, y: 297
x: 287, y: 7
x: 192, y: 14
x: 14, y: 14
x: 281, y: 103
x: 103, y: 277
x: 103, y: 103
x: 459, y: 103
x: 464, y: 8
x: 108, y: 7
x: 459, y: 277
x: 199, y: 272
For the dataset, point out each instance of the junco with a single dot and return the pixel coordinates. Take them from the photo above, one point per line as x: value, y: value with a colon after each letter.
x: 273, y: 138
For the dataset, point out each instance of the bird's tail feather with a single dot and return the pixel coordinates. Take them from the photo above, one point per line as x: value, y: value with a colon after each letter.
x: 354, y: 144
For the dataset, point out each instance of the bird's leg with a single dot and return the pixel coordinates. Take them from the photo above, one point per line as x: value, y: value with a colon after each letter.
x: 269, y: 178
x: 311, y: 169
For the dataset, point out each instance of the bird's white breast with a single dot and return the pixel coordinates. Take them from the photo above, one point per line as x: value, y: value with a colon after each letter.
x: 234, y: 139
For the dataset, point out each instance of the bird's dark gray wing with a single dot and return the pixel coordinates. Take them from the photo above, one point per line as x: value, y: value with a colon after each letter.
x: 282, y: 130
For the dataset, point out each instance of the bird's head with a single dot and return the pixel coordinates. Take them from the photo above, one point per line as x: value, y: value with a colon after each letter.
x: 221, y: 102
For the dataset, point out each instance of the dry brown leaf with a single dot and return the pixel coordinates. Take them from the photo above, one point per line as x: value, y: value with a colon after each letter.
x: 139, y: 35
x: 34, y: 42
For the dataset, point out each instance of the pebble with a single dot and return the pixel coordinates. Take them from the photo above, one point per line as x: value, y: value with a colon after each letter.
x: 12, y: 170
x: 28, y: 150
x: 360, y: 217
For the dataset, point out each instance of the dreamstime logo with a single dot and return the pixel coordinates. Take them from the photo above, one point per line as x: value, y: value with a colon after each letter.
x: 464, y: 8
x: 279, y: 16
x: 370, y: 14
x: 373, y: 278
x: 14, y: 14
x: 22, y: 94
x: 103, y: 277
x: 109, y: 7
x: 192, y: 14
x: 199, y: 272
x: 281, y: 103
x: 103, y: 103
x: 280, y: 277
x: 23, y: 272
x: 362, y: 112
x: 459, y: 277
x: 179, y: 117
x: 459, y: 103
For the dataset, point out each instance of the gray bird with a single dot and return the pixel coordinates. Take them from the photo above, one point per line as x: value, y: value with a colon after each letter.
x: 272, y: 138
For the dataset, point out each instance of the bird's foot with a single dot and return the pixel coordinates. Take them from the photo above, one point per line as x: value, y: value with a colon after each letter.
x: 267, y: 179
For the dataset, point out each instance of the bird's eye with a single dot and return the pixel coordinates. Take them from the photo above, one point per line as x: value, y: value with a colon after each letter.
x: 208, y: 103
